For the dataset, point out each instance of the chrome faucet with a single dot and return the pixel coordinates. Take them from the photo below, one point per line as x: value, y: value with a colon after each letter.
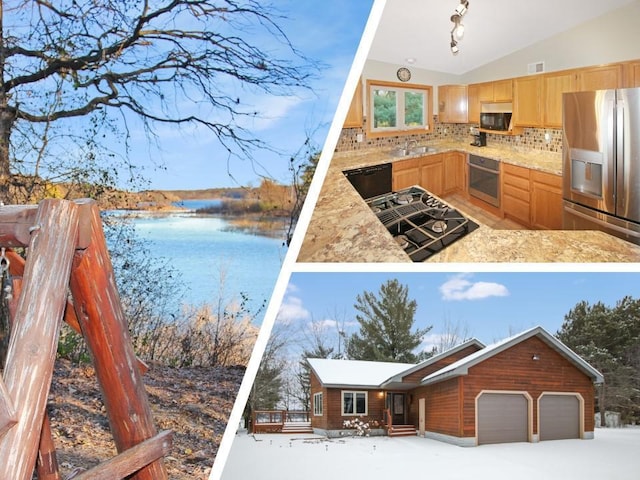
x: 409, y: 143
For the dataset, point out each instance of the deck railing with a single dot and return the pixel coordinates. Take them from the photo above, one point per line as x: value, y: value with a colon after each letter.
x: 272, y: 421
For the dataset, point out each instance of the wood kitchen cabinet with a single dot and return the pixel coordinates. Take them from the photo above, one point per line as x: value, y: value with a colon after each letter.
x: 554, y: 85
x: 631, y: 74
x: 405, y: 173
x: 531, y: 197
x: 432, y: 173
x: 473, y: 103
x: 516, y: 193
x: 429, y: 172
x: 546, y: 200
x: 498, y: 91
x: 452, y: 104
x: 527, y: 107
x: 454, y: 172
x: 599, y: 78
x: 503, y: 90
x: 355, y: 115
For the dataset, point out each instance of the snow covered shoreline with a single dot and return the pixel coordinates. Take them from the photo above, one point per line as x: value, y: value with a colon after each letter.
x: 611, y: 455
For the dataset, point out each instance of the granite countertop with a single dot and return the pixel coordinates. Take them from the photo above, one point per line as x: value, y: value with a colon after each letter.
x: 343, y: 229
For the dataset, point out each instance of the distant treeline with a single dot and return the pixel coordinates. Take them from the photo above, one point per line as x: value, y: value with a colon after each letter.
x: 233, y: 207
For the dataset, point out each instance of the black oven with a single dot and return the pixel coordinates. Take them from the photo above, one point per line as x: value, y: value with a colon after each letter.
x: 484, y: 179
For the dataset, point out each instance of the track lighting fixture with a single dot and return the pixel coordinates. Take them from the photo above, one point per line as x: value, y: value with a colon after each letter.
x: 457, y: 32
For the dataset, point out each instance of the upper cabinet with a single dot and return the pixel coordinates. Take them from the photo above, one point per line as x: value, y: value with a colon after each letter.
x: 554, y: 85
x: 355, y: 117
x: 488, y: 92
x: 631, y: 74
x: 503, y: 90
x: 452, y: 104
x: 599, y: 78
x: 527, y: 108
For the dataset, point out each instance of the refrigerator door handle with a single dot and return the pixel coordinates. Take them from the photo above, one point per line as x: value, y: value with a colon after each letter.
x: 599, y: 222
x: 620, y: 134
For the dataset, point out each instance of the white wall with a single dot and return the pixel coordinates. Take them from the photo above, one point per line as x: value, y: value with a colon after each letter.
x: 610, y: 38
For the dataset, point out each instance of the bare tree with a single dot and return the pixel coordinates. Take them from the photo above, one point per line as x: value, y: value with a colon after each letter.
x: 452, y: 334
x: 169, y: 62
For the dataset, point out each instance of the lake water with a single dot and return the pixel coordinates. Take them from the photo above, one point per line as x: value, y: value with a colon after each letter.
x: 201, y: 247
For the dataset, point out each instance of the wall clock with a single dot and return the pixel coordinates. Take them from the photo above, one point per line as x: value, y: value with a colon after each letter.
x: 404, y: 75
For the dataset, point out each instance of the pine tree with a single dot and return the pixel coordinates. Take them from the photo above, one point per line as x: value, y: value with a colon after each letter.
x: 609, y: 339
x: 386, y: 323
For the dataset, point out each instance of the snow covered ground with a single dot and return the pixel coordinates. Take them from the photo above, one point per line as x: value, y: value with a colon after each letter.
x: 612, y: 455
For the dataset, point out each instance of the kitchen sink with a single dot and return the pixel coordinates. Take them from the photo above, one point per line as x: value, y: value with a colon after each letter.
x: 404, y: 152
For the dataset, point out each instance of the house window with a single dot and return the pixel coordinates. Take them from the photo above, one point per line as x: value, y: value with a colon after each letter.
x: 317, y: 404
x: 354, y: 403
x: 398, y: 108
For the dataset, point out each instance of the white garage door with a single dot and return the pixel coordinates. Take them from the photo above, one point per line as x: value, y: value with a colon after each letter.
x: 502, y: 418
x: 559, y: 417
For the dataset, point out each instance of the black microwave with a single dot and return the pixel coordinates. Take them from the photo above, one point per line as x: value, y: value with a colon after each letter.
x: 495, y: 121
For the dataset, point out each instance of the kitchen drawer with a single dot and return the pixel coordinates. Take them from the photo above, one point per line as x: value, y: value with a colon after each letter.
x: 405, y: 164
x: 515, y: 171
x: 546, y: 178
x: 516, y: 182
x: 516, y: 192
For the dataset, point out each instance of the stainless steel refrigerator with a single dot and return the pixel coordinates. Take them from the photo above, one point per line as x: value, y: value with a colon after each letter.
x: 601, y: 162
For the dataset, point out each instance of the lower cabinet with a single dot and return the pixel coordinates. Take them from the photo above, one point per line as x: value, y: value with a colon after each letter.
x: 405, y: 173
x: 515, y: 193
x: 432, y: 174
x: 440, y: 173
x: 546, y: 200
x: 531, y: 197
x: 454, y: 172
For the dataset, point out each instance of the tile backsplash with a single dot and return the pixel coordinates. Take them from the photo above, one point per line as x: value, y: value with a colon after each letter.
x: 531, y: 138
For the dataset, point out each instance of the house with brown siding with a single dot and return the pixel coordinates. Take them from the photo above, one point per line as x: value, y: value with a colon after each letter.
x: 527, y: 388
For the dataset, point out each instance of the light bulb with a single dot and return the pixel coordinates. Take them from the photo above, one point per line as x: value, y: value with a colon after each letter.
x: 459, y: 31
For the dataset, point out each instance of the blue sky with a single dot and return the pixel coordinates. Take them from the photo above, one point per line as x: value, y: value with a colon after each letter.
x: 491, y: 306
x: 328, y: 32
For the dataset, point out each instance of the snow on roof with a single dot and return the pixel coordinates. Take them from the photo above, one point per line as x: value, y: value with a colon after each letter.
x: 435, y: 358
x: 358, y: 373
x: 462, y: 366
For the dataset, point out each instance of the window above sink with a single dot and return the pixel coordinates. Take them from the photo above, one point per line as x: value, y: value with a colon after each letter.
x: 398, y: 108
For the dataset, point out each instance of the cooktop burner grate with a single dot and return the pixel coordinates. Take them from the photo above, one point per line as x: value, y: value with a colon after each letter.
x: 423, y: 227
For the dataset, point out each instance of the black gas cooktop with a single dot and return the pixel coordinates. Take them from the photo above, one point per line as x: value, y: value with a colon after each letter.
x: 420, y: 223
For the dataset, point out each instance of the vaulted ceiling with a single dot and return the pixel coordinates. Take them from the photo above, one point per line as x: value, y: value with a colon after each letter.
x: 420, y: 29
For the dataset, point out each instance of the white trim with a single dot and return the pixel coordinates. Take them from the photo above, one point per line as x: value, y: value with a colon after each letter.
x: 355, y: 403
x: 571, y: 394
x: 318, y: 412
x: 509, y: 392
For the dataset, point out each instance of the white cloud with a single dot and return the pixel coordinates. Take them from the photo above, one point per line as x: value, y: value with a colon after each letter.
x: 460, y: 287
x: 429, y: 341
x: 292, y: 310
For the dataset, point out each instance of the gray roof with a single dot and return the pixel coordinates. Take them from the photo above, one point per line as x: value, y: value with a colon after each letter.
x: 461, y: 367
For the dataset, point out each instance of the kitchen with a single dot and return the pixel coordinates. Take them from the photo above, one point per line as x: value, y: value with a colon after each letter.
x: 456, y: 157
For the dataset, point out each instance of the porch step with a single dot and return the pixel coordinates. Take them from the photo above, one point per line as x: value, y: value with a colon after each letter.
x: 297, y: 427
x: 402, y: 431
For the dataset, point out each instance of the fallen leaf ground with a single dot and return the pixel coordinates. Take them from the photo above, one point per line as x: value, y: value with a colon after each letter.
x: 194, y: 403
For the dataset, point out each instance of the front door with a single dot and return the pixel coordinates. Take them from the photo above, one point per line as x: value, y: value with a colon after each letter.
x: 396, y: 404
x: 421, y: 416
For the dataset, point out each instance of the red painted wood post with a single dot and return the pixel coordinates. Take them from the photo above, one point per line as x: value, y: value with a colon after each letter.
x: 104, y: 326
x: 34, y: 336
